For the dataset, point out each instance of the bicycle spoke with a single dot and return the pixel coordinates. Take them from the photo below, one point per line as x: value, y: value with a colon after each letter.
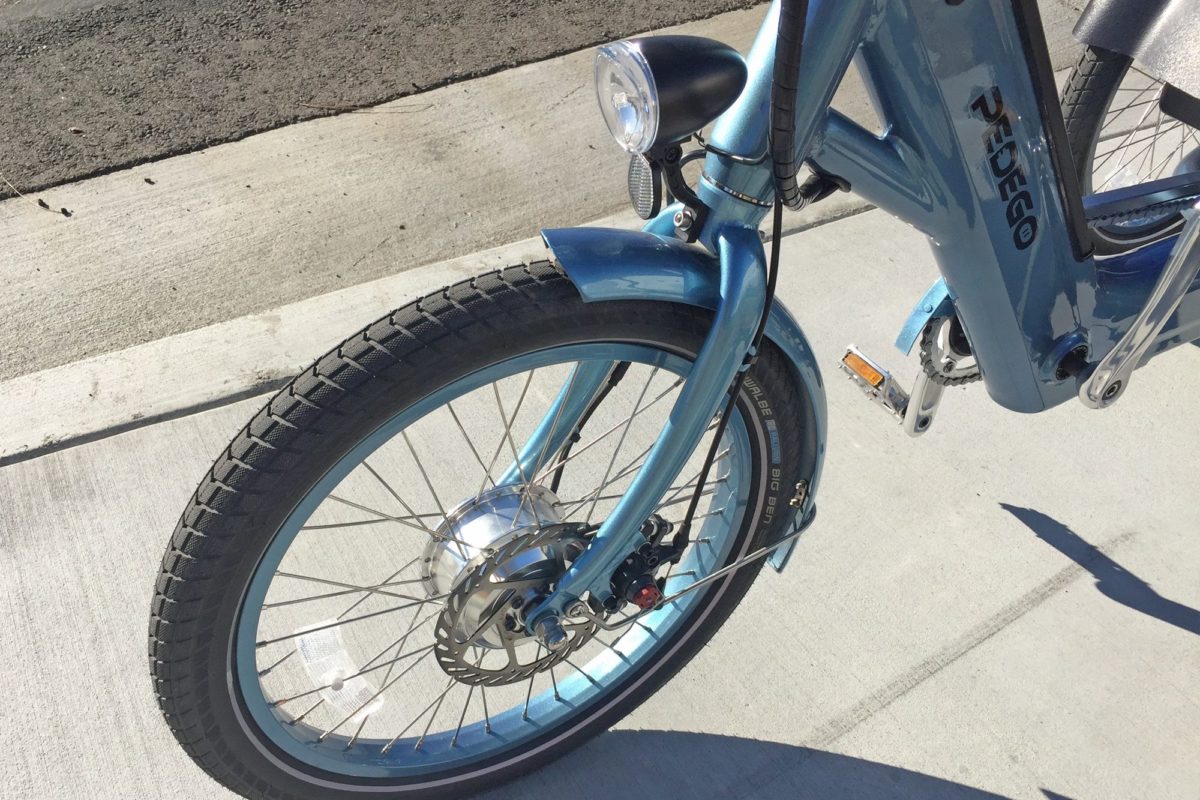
x: 620, y: 443
x: 580, y: 451
x: 385, y: 517
x: 1115, y: 113
x: 529, y: 691
x: 487, y: 475
x: 613, y: 647
x: 571, y: 506
x: 512, y: 446
x: 1136, y: 127
x: 507, y: 423
x: 541, y: 459
x: 487, y: 718
x: 1131, y: 144
x: 350, y: 589
x: 397, y: 645
x: 312, y: 708
x: 416, y: 719
x: 550, y: 438
x: 691, y: 482
x: 382, y: 689
x: 372, y: 615
x: 1156, y: 169
x: 432, y: 534
x: 466, y: 706
x: 358, y: 731
x: 395, y: 494
x: 678, y: 500
x: 424, y: 475
x: 360, y: 522
x: 433, y: 716
x: 1154, y: 144
x: 346, y: 611
x: 423, y: 651
x: 633, y: 466
x: 589, y: 678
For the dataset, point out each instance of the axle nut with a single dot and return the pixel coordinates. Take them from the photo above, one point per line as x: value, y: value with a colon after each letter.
x: 551, y: 634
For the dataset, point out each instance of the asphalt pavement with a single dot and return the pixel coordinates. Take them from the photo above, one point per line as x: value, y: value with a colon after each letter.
x: 96, y: 85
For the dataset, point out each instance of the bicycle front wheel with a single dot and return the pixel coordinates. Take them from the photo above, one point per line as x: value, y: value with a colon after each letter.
x: 338, y: 613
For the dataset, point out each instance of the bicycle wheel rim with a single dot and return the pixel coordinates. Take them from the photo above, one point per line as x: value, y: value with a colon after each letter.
x: 470, y: 747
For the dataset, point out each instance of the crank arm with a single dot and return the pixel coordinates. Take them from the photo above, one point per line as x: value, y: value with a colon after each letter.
x: 922, y: 404
x: 1111, y: 377
x: 743, y: 293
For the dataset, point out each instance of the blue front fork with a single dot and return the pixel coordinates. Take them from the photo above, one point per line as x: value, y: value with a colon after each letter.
x: 743, y: 295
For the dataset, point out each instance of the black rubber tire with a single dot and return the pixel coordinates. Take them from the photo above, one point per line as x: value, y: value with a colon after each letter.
x: 310, y: 424
x: 1086, y: 99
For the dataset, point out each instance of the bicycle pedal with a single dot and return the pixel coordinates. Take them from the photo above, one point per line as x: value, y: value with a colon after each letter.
x: 875, y: 381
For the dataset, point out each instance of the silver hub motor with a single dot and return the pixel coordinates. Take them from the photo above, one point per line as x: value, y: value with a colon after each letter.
x: 493, y: 558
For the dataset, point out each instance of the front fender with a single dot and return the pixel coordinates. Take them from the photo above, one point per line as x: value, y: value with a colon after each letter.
x: 612, y: 264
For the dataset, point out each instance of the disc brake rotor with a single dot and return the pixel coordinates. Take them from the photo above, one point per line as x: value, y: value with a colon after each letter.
x: 480, y: 634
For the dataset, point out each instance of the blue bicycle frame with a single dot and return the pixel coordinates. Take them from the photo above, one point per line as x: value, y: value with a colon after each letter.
x: 971, y: 153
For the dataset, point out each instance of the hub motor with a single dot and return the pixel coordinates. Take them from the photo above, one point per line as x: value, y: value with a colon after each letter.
x: 492, y: 558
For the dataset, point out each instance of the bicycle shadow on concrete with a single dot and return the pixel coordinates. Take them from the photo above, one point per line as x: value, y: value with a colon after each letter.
x: 675, y: 765
x: 1113, y: 580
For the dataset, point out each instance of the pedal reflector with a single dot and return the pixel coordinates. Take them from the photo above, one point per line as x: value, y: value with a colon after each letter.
x: 859, y: 366
x: 875, y: 381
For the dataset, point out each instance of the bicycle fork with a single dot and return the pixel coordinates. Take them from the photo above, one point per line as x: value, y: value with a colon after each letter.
x: 742, y: 295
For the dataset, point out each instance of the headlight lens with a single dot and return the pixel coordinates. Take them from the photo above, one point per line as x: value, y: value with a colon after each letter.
x: 628, y: 99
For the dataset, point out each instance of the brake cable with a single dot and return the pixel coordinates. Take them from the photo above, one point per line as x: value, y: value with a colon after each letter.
x: 785, y: 79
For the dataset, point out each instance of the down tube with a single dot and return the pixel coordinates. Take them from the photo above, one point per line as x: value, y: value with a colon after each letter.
x: 966, y: 158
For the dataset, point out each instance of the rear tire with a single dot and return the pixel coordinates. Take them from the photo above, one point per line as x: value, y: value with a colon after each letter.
x: 310, y: 425
x: 1092, y: 111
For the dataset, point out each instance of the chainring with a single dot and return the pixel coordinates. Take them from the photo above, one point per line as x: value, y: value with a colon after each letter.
x: 469, y: 661
x: 933, y: 364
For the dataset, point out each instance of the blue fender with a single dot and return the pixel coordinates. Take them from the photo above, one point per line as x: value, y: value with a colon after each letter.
x: 612, y: 264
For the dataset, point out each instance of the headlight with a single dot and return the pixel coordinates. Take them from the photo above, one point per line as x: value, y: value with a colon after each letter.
x: 658, y: 90
x: 628, y: 99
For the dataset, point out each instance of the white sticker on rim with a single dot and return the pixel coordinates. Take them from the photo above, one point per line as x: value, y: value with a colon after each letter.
x: 334, y: 672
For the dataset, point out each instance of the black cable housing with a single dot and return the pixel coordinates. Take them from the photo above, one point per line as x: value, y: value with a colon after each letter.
x: 785, y: 159
x: 685, y: 528
x: 785, y: 167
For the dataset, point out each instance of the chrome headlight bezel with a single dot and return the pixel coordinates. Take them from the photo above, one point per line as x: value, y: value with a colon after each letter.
x: 656, y: 91
x: 627, y: 95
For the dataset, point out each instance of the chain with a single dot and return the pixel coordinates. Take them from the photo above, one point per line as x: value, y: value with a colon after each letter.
x: 1166, y: 205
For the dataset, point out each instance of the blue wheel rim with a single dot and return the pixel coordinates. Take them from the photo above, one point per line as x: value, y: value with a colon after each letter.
x: 511, y: 729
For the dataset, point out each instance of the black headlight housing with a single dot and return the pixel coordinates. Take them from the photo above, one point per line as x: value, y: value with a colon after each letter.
x: 659, y: 90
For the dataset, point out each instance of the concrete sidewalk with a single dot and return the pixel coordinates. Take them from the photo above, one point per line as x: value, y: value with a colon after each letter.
x: 1007, y: 607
